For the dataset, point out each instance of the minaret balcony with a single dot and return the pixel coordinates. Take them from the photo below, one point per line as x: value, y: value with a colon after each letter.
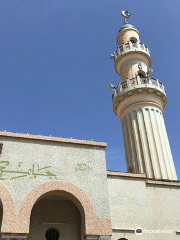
x: 130, y: 47
x: 138, y: 85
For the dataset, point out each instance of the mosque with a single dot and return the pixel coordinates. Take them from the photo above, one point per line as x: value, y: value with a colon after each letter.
x: 59, y: 189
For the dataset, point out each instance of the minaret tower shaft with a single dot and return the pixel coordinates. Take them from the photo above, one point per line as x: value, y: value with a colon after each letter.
x: 139, y: 101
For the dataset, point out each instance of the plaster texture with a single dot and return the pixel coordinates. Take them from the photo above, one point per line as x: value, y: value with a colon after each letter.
x: 125, y: 36
x: 135, y: 203
x: 76, y: 164
x: 32, y: 168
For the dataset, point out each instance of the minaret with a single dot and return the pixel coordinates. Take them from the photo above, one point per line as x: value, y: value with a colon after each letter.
x: 139, y: 101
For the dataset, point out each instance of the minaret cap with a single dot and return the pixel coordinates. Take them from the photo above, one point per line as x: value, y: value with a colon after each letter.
x: 126, y: 15
x: 126, y: 25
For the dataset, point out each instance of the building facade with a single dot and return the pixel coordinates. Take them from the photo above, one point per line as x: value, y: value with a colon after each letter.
x: 59, y: 189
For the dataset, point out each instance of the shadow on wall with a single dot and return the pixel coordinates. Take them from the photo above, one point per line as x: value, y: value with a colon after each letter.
x: 55, y: 217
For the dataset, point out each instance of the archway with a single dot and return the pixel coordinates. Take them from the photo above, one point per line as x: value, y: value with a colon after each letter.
x: 90, y: 224
x: 55, y: 217
x: 7, y: 211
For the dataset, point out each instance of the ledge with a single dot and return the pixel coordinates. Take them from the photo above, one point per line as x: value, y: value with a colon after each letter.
x: 52, y: 139
x: 143, y: 176
x: 163, y: 183
x: 123, y: 230
x: 123, y: 174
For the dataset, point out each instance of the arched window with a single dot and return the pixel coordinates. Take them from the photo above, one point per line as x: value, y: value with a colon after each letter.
x: 141, y: 74
x: 133, y: 39
x: 52, y: 234
x: 122, y: 239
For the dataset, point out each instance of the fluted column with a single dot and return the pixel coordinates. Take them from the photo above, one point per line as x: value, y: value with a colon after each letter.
x: 146, y: 144
x: 139, y: 101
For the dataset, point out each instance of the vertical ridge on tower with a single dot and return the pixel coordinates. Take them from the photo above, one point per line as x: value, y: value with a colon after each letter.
x: 139, y: 101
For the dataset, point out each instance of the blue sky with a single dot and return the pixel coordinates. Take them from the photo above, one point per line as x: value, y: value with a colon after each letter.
x: 55, y: 67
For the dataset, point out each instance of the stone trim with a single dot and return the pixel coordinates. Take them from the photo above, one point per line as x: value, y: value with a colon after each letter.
x: 52, y: 139
x: 123, y: 174
x: 8, y: 210
x: 143, y: 176
x: 91, y: 237
x: 163, y: 183
x: 102, y: 237
x: 93, y: 225
x: 123, y: 230
x: 20, y: 223
x: 13, y: 236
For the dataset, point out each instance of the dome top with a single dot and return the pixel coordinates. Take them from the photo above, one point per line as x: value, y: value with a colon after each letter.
x: 127, y: 26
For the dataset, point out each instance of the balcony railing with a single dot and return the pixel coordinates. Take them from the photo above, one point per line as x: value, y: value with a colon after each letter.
x: 128, y: 47
x: 138, y: 83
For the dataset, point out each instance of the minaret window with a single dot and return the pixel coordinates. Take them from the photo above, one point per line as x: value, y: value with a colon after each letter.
x: 133, y: 39
x: 141, y: 74
x: 52, y: 234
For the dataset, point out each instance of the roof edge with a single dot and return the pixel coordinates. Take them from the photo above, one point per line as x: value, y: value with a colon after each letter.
x: 124, y: 174
x: 52, y: 139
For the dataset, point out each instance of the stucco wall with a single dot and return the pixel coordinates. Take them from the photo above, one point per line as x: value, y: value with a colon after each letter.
x: 29, y: 163
x: 53, y: 213
x: 133, y: 203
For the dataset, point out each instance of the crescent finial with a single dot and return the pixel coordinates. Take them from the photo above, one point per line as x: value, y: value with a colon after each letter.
x: 126, y: 15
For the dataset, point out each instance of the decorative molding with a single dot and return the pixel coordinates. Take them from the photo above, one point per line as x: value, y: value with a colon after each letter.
x: 163, y: 183
x: 93, y: 224
x: 123, y: 230
x: 101, y: 237
x: 20, y: 223
x: 104, y: 238
x: 137, y: 86
x: 52, y: 139
x: 127, y: 175
x: 130, y: 47
x: 13, y: 236
x: 92, y: 237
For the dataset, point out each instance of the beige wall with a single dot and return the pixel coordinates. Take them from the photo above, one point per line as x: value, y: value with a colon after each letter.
x: 73, y: 163
x: 125, y: 35
x: 34, y: 166
x: 54, y: 213
x: 135, y: 203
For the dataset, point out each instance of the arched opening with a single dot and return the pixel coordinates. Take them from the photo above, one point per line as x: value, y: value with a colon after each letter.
x: 55, y: 217
x: 141, y: 74
x: 133, y: 39
x: 90, y: 224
